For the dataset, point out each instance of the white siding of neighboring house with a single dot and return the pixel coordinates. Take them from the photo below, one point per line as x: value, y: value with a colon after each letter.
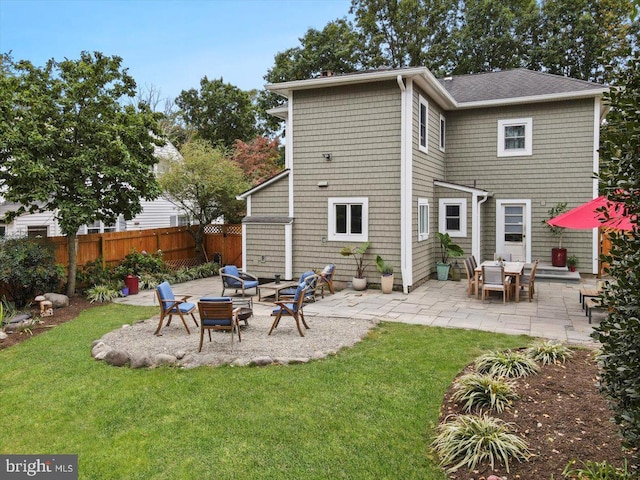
x: 159, y: 213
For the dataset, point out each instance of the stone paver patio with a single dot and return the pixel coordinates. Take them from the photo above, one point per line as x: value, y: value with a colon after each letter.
x: 554, y: 314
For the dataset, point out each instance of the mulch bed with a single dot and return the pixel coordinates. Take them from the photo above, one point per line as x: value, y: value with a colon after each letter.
x: 61, y: 315
x: 561, y: 415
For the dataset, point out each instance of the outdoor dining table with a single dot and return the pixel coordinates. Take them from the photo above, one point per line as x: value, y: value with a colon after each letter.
x: 513, y: 269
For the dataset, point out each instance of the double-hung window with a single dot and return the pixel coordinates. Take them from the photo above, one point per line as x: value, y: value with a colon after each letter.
x: 443, y: 132
x: 423, y: 219
x: 515, y: 137
x: 348, y: 219
x: 423, y: 125
x: 452, y: 218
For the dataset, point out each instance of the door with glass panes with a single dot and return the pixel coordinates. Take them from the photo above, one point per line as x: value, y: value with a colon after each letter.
x: 512, y: 230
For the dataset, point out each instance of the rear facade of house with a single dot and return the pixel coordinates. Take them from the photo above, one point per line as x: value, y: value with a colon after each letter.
x: 392, y: 157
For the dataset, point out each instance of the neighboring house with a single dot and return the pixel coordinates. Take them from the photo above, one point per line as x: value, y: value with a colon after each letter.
x: 157, y: 213
x: 394, y: 156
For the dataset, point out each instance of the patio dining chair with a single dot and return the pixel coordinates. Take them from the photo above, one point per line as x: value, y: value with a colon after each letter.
x: 217, y: 313
x: 471, y: 276
x: 494, y: 279
x: 291, y: 309
x: 170, y: 306
x: 232, y: 278
x: 528, y: 281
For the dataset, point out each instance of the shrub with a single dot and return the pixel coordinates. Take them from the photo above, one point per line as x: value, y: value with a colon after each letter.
x: 478, y: 391
x: 471, y: 439
x: 27, y: 269
x: 547, y: 352
x: 506, y: 364
x: 102, y: 294
x: 94, y: 273
x: 597, y: 471
x: 138, y: 263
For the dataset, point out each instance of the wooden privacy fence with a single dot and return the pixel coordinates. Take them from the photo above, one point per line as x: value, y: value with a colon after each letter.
x: 222, y: 242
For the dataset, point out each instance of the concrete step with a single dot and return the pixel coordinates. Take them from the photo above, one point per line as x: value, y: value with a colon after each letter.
x: 548, y: 272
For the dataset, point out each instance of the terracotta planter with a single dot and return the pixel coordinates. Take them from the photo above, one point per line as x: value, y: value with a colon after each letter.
x: 386, y: 283
x: 559, y: 257
x: 359, y: 283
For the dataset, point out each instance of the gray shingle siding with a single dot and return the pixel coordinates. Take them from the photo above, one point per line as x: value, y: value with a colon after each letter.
x: 560, y: 168
x: 360, y: 127
x: 271, y: 201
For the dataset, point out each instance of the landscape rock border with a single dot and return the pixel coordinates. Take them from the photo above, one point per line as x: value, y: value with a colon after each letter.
x: 136, y: 346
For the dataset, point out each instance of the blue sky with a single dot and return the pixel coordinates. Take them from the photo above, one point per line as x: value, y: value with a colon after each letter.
x: 170, y: 44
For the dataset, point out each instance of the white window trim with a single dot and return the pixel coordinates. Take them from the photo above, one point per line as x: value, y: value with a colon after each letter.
x: 443, y: 133
x: 422, y: 101
x: 338, y: 237
x: 442, y: 224
x: 422, y: 202
x: 528, y: 137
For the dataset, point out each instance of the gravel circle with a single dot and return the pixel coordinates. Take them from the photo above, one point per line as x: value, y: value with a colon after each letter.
x: 138, y: 347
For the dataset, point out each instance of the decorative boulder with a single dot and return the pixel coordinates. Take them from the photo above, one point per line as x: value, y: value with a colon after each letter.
x: 57, y: 299
x: 117, y: 358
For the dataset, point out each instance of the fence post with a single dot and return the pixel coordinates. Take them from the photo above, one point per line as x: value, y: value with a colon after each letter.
x: 104, y: 261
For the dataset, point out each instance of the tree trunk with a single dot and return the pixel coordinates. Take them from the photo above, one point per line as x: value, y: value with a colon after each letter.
x: 72, y: 247
x: 199, y: 237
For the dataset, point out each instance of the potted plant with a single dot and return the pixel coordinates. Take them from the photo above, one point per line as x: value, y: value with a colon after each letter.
x: 359, y: 281
x: 386, y: 272
x: 572, y: 261
x: 447, y: 249
x: 559, y: 254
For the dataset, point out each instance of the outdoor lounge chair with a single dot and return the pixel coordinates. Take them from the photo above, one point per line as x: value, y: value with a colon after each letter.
x: 232, y: 278
x: 170, y: 306
x: 217, y: 313
x: 494, y: 279
x: 325, y: 279
x: 292, y: 309
x: 310, y: 279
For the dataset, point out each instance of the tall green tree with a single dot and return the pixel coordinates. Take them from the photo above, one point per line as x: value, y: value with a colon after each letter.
x: 619, y: 333
x: 70, y: 145
x: 205, y: 185
x: 581, y: 37
x: 220, y: 112
x: 407, y: 33
x: 495, y: 35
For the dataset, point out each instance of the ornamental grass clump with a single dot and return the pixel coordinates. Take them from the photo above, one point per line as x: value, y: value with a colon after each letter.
x: 470, y: 440
x: 548, y: 352
x: 477, y: 392
x: 507, y: 364
x: 102, y: 294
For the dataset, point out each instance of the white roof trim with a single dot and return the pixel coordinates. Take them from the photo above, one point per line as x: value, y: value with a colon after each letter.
x: 461, y: 188
x: 281, y: 111
x: 550, y: 97
x: 248, y: 193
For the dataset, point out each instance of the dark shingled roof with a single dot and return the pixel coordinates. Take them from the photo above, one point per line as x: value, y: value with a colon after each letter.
x: 512, y: 84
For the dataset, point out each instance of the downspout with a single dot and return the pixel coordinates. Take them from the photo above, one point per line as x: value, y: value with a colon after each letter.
x: 403, y: 187
x: 476, y: 248
x: 288, y: 228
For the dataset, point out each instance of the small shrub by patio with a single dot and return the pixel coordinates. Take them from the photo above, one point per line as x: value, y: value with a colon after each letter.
x: 507, y: 364
x: 548, y: 352
x: 477, y: 392
x: 469, y: 440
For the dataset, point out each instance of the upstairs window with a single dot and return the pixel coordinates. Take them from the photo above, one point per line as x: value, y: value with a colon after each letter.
x: 348, y: 219
x: 423, y: 124
x: 443, y: 132
x: 515, y: 137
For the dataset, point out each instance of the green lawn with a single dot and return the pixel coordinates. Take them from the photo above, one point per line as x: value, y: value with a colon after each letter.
x: 368, y: 412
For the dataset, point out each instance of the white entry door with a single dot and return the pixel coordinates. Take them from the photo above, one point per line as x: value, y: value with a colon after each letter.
x: 513, y: 228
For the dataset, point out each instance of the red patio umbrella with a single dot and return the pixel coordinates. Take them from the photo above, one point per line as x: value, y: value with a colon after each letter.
x: 590, y: 215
